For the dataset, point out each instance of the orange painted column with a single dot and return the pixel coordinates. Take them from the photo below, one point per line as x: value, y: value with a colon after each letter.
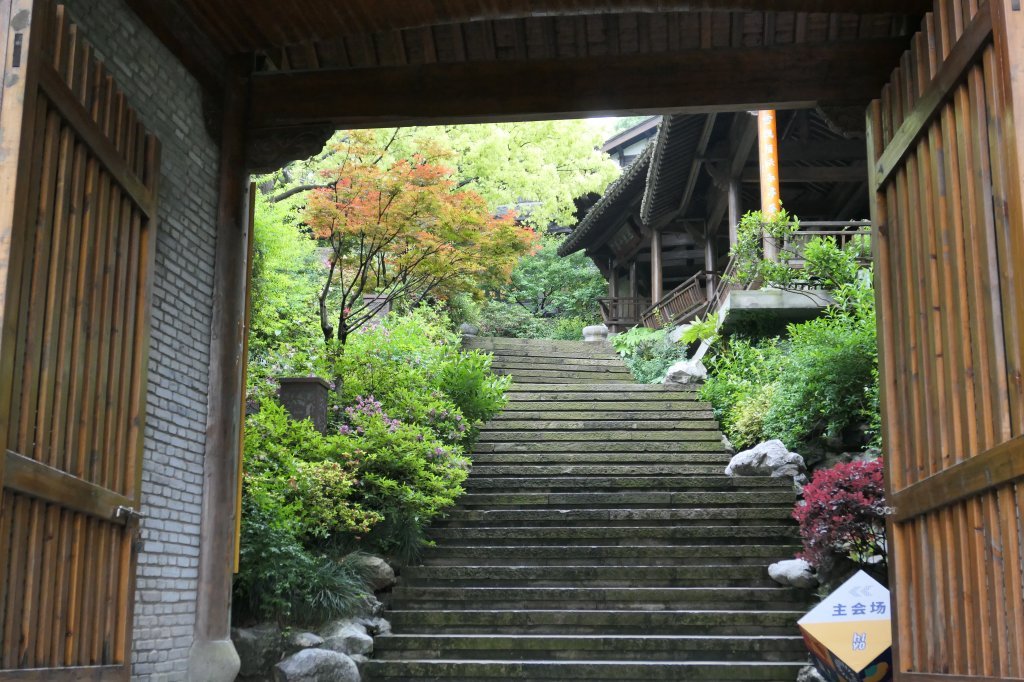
x: 768, y: 155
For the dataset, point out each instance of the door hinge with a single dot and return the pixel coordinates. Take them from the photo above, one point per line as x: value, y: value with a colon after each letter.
x: 128, y: 514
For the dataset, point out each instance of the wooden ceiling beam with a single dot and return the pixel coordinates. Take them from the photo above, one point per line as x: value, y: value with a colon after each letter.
x: 185, y: 36
x: 855, y: 172
x: 697, y: 81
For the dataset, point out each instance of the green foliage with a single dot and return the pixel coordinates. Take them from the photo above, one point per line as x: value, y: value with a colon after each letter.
x: 499, y: 318
x: 408, y: 401
x: 750, y: 266
x: 816, y: 390
x: 700, y: 330
x: 648, y: 352
x: 550, y: 286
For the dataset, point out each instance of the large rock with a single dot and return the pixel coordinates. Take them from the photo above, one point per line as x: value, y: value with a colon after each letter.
x: 770, y: 458
x: 595, y: 333
x: 793, y: 573
x: 375, y: 626
x: 347, y: 637
x: 368, y: 607
x: 686, y: 372
x: 469, y: 330
x: 298, y: 641
x: 380, y: 575
x: 259, y: 648
x: 317, y: 665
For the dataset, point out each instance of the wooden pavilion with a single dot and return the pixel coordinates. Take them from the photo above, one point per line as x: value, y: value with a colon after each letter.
x: 662, y: 232
x: 111, y: 129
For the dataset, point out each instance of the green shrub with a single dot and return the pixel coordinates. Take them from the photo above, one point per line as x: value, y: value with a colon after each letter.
x: 648, y: 352
x: 499, y: 318
x: 736, y: 374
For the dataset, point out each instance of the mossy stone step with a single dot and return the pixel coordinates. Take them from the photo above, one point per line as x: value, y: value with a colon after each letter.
x: 522, y: 500
x: 600, y: 598
x: 615, y: 405
x: 513, y: 458
x: 620, y: 671
x: 620, y: 483
x: 602, y: 436
x: 554, y: 381
x: 594, y: 621
x: 531, y: 426
x: 630, y: 390
x: 578, y: 470
x: 450, y: 553
x: 617, y: 516
x: 587, y: 647
x: 569, y: 535
x: 588, y: 414
x: 622, y: 446
x: 529, y: 362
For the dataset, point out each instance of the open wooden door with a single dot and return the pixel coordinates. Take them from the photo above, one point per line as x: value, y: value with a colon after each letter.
x: 947, y: 138
x: 78, y: 179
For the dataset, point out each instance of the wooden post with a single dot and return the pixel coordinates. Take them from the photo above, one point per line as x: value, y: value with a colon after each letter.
x: 656, y: 267
x: 735, y: 210
x: 710, y: 260
x: 213, y: 656
x: 634, y: 290
x: 613, y: 280
x: 768, y: 156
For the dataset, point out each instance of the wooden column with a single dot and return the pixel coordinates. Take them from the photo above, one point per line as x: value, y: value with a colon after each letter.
x: 735, y: 209
x: 710, y: 260
x: 213, y: 655
x: 634, y: 286
x: 768, y: 157
x: 657, y: 273
x: 613, y: 280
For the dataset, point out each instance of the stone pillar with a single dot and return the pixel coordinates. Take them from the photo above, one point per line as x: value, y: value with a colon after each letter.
x: 306, y: 398
x: 710, y: 261
x: 656, y: 267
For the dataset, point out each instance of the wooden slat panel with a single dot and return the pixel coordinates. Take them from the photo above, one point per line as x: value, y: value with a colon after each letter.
x: 950, y: 221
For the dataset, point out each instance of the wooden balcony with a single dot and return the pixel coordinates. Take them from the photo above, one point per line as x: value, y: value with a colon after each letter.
x: 621, y: 313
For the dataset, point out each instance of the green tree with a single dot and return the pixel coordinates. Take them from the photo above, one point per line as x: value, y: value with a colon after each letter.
x: 549, y: 286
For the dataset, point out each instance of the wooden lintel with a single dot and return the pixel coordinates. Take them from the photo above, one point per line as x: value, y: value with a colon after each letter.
x: 696, y: 80
x: 857, y: 172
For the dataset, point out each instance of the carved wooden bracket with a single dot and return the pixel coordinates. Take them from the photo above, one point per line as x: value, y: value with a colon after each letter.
x: 270, y: 149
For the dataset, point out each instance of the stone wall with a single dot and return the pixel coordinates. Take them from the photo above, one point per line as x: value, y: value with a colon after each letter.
x: 168, y: 101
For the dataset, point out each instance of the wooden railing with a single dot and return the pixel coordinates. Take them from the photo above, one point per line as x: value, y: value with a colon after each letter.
x: 845, y: 234
x: 622, y: 312
x: 680, y: 305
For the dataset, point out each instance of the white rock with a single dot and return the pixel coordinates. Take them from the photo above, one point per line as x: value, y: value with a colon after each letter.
x: 686, y: 372
x: 317, y: 665
x: 809, y: 673
x: 347, y: 637
x: 595, y: 333
x: 793, y: 573
x: 770, y: 458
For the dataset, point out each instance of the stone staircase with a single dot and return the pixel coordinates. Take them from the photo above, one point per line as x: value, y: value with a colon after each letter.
x: 598, y: 540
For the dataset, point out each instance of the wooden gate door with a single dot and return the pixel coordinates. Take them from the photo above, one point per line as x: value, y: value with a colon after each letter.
x: 947, y: 137
x: 77, y: 204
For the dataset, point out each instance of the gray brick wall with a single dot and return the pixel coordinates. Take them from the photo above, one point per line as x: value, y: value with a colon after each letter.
x: 168, y: 100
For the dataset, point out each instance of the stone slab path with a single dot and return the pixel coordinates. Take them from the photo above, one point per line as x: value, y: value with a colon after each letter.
x: 599, y: 539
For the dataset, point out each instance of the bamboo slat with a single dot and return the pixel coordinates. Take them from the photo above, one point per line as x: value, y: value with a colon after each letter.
x: 950, y: 219
x: 74, y: 398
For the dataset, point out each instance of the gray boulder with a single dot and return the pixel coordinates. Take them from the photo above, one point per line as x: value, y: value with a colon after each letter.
x: 727, y: 444
x: 368, y: 607
x: 317, y: 665
x: 469, y: 330
x: 347, y: 637
x: 298, y: 641
x: 375, y: 626
x: 259, y: 648
x: 809, y: 673
x: 595, y: 333
x: 770, y: 458
x: 380, y: 575
x: 686, y: 372
x: 793, y: 573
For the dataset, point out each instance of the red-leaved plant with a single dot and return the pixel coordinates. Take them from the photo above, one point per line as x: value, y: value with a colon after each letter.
x: 843, y: 515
